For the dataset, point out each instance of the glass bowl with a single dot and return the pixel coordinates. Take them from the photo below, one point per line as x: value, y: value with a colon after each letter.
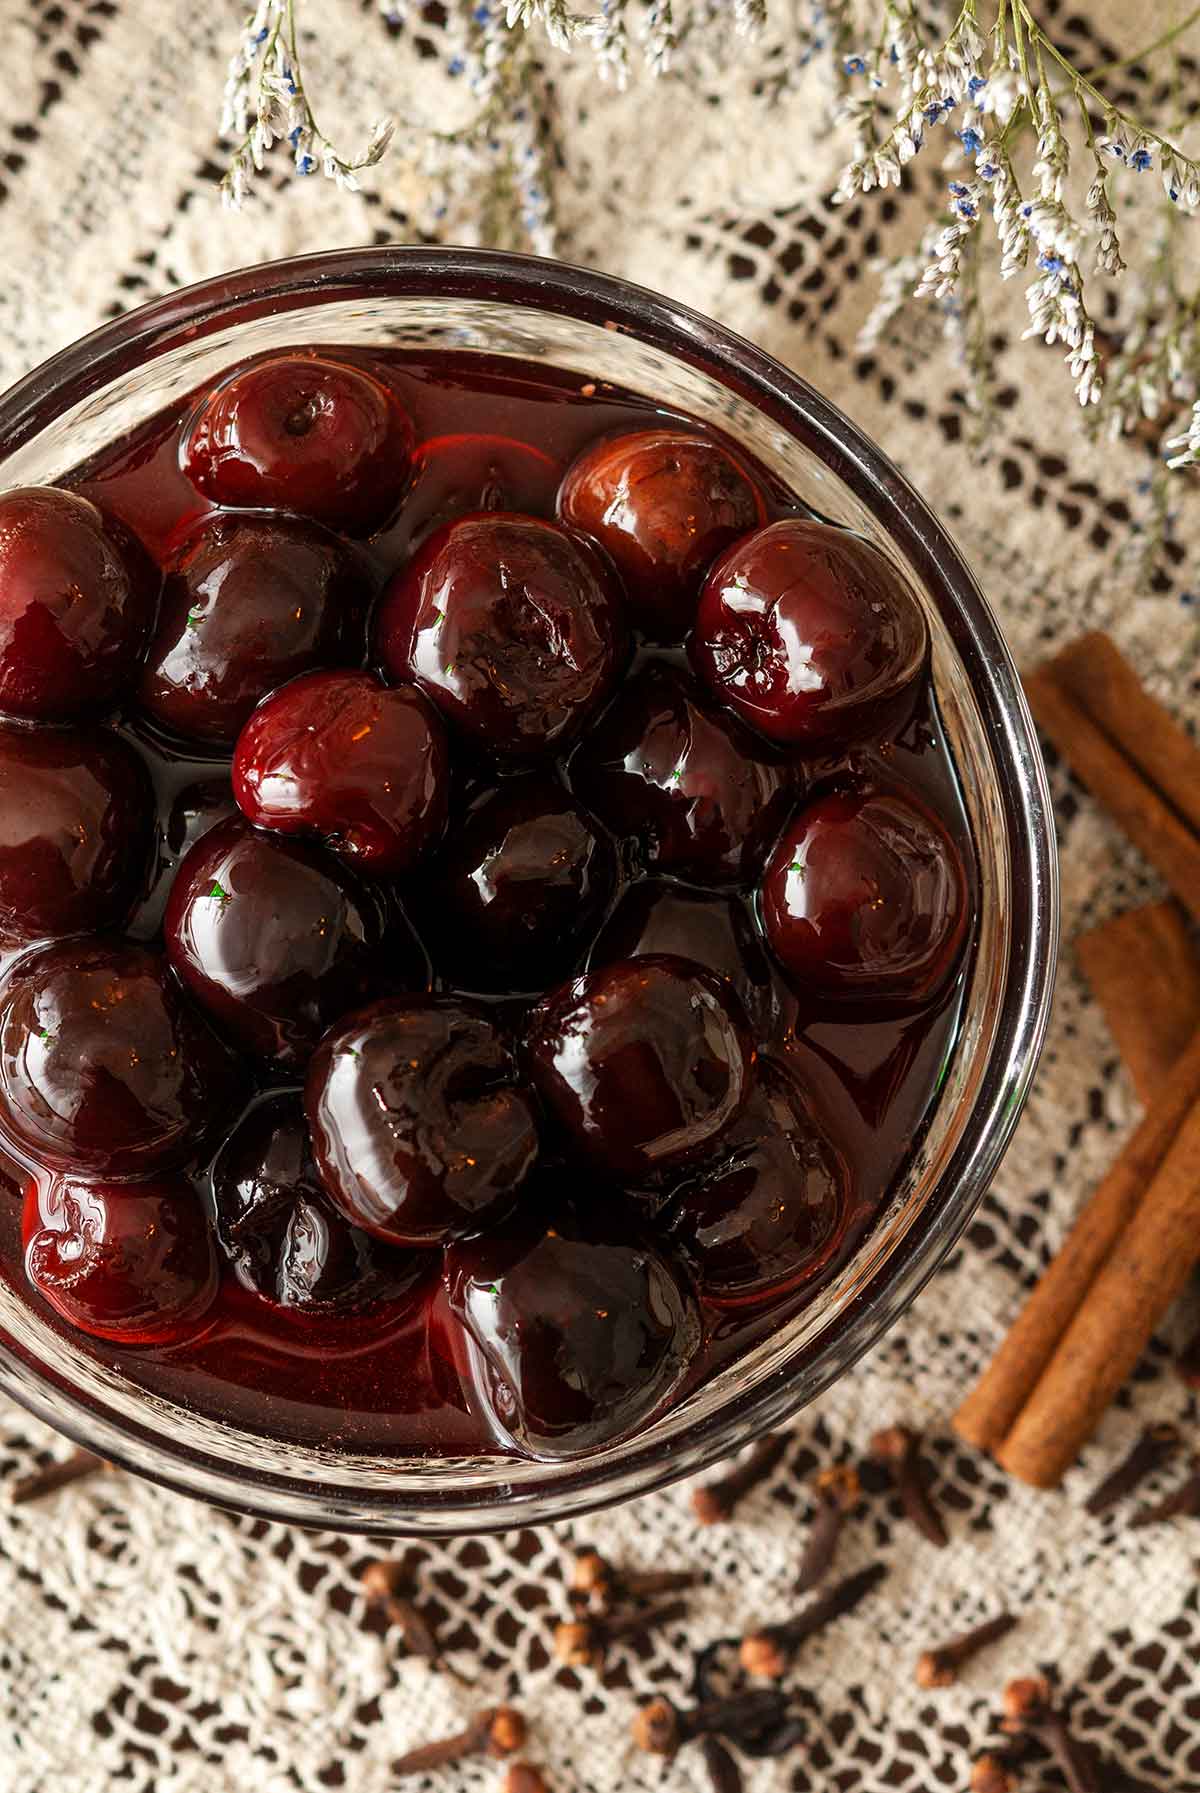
x: 605, y: 329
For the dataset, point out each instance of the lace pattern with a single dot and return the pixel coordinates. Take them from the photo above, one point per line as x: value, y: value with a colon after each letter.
x: 151, y: 1644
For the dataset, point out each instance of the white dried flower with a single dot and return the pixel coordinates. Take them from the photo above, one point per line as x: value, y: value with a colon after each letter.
x: 898, y: 77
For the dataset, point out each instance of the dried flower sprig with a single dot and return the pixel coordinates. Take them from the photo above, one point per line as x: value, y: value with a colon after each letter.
x: 1023, y: 128
x: 266, y: 102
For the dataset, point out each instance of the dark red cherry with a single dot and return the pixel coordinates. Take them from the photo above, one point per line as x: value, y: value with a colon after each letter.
x: 767, y: 1213
x: 77, y: 597
x: 361, y: 766
x: 663, y: 503
x: 512, y: 627
x: 692, y: 790
x: 421, y: 1131
x: 278, y: 1228
x: 307, y: 434
x: 277, y: 941
x: 454, y: 476
x: 77, y: 825
x: 644, y: 1062
x: 656, y: 916
x: 249, y: 602
x: 810, y: 635
x: 519, y: 888
x: 865, y: 898
x: 578, y: 1331
x: 130, y: 1262
x: 104, y: 1067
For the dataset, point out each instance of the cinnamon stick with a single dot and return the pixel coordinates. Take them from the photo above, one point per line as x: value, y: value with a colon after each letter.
x: 1145, y: 974
x: 1154, y: 826
x: 1094, y: 672
x: 991, y: 1411
x: 1146, y: 1269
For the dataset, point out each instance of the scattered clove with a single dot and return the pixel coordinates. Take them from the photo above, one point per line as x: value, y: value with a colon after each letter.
x: 59, y: 1474
x: 939, y: 1667
x: 597, y: 1585
x: 661, y: 1728
x: 992, y: 1773
x: 838, y: 1491
x: 523, y: 1777
x: 584, y: 1642
x: 496, y: 1731
x: 1182, y: 1503
x: 1029, y: 1712
x: 899, y: 1448
x: 769, y: 1651
x: 386, y: 1585
x: 714, y: 1502
x: 1150, y: 1451
x: 724, y: 1775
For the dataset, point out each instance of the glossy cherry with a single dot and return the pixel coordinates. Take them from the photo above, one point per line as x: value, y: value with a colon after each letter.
x: 865, y: 899
x: 362, y: 767
x: 580, y: 1329
x: 513, y: 627
x: 248, y: 603
x: 421, y: 1131
x: 692, y: 790
x: 77, y: 597
x: 810, y: 635
x: 714, y: 929
x: 519, y: 888
x: 303, y: 433
x: 766, y: 1214
x: 663, y: 503
x: 643, y: 1062
x: 77, y: 828
x: 279, y: 1229
x: 276, y: 940
x: 104, y: 1066
x: 129, y: 1262
x: 454, y: 476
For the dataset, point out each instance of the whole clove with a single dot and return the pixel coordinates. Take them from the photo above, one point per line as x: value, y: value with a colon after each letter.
x: 495, y: 1731
x: 1155, y: 1446
x: 992, y: 1773
x: 899, y: 1447
x: 584, y: 1642
x: 838, y: 1491
x: 768, y: 1652
x: 714, y: 1502
x: 661, y: 1728
x: 724, y: 1775
x: 597, y: 1585
x: 1029, y: 1712
x: 940, y: 1666
x: 58, y: 1474
x: 386, y: 1585
x: 1182, y: 1503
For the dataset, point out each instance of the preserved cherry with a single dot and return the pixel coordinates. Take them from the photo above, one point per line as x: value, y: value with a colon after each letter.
x: 513, y: 627
x: 810, y: 636
x: 421, y: 1130
x: 581, y: 1330
x: 643, y: 1062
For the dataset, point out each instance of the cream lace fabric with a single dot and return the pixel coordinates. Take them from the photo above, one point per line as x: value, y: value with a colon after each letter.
x: 148, y: 1643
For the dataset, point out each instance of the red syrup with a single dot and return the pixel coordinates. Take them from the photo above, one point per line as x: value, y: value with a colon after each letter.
x: 320, y: 1331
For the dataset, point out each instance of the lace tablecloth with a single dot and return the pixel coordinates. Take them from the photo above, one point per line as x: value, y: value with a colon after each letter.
x: 150, y: 1644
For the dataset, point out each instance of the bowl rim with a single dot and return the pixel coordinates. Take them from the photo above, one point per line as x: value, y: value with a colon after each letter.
x: 411, y: 271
